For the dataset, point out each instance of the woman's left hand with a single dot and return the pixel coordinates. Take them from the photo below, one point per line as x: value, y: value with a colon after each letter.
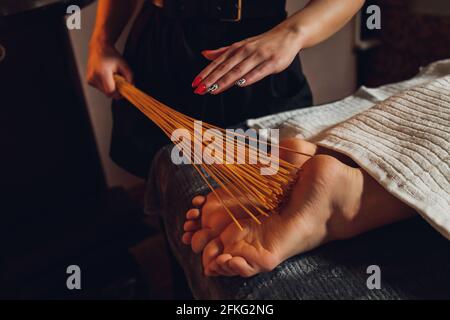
x: 246, y: 62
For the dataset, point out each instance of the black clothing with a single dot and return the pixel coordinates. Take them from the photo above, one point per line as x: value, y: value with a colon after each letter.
x: 164, y: 52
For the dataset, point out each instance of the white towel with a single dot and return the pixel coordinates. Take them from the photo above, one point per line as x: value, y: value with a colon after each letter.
x: 398, y: 133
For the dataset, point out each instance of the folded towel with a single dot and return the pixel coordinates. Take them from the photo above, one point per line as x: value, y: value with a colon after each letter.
x: 398, y: 133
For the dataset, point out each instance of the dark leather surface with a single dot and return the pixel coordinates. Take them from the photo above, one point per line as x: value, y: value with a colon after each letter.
x: 414, y: 259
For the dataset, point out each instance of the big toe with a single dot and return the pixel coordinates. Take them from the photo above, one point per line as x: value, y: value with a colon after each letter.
x: 212, y: 250
x: 296, y: 151
x: 200, y: 239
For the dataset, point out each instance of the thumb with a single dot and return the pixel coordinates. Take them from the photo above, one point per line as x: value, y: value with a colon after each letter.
x: 125, y: 71
x: 214, y: 54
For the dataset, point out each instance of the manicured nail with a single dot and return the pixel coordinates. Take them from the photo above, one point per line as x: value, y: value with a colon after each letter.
x: 196, y: 81
x: 201, y: 89
x: 241, y: 82
x: 213, y: 88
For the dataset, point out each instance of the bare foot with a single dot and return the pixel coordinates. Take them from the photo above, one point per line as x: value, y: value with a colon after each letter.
x: 207, y: 219
x: 330, y: 201
x: 311, y: 217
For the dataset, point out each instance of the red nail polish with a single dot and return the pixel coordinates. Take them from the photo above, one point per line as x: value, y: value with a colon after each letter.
x: 196, y: 81
x: 201, y: 89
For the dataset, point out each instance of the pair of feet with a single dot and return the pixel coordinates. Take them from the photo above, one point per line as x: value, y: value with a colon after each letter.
x: 331, y: 200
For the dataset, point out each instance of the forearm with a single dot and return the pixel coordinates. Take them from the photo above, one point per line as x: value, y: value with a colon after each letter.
x: 104, y: 59
x: 320, y: 19
x: 112, y: 16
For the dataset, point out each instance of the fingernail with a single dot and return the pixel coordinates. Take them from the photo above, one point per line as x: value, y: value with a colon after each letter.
x: 213, y: 88
x: 241, y: 82
x: 196, y: 81
x: 201, y: 89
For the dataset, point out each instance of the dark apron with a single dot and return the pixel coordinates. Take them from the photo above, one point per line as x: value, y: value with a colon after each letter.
x: 164, y: 54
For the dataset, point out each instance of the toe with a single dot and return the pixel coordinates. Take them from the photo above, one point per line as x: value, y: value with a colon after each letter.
x: 193, y: 214
x: 192, y: 225
x: 241, y: 267
x: 299, y: 151
x: 200, y: 239
x: 222, y: 262
x: 299, y: 145
x: 213, y: 270
x: 210, y: 273
x: 212, y: 250
x: 198, y: 201
x: 187, y: 238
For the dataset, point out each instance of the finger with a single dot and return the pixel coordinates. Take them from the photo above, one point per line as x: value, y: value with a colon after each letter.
x: 212, y: 250
x: 192, y: 225
x: 93, y: 81
x: 239, y: 71
x: 214, y: 54
x: 239, y: 56
x: 222, y: 263
x: 96, y: 80
x: 125, y: 71
x: 202, y: 88
x: 108, y: 85
x: 193, y: 214
x: 240, y: 266
x: 259, y: 72
x: 187, y: 238
x: 200, y: 239
x: 198, y: 201
x: 210, y: 55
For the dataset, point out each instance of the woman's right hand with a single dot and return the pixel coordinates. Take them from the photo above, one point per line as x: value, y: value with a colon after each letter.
x: 103, y: 62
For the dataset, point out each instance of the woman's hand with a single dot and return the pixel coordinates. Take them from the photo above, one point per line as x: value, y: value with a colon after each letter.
x: 248, y: 61
x: 105, y: 61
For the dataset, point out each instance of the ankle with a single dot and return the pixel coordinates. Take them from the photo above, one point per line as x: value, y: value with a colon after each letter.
x: 346, y: 203
x: 326, y: 211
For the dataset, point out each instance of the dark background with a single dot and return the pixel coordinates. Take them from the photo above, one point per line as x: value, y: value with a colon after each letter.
x: 55, y: 207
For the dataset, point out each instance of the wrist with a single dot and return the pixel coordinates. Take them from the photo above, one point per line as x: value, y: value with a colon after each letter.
x: 295, y: 33
x: 100, y: 41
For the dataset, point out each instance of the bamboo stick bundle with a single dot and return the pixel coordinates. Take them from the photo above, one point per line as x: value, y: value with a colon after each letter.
x: 254, y: 193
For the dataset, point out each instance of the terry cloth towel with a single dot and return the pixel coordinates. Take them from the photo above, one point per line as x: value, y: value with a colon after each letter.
x: 397, y: 133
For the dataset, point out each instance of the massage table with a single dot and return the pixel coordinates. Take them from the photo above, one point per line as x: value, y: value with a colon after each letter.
x: 409, y: 269
x: 413, y: 258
